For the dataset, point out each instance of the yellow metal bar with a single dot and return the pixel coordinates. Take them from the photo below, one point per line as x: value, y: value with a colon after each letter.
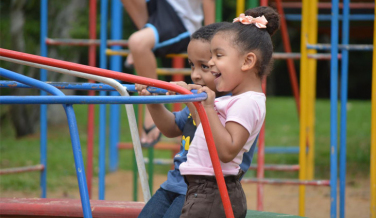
x: 373, y: 128
x: 126, y: 52
x: 173, y: 71
x: 311, y: 71
x: 240, y: 7
x: 303, y: 105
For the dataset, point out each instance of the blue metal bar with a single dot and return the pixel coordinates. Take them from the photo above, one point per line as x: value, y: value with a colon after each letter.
x: 102, y: 107
x: 343, y: 122
x: 115, y: 65
x: 80, y: 86
x: 328, y: 17
x: 342, y: 47
x: 333, y: 109
x: 80, y: 170
x: 102, y: 99
x: 43, y: 108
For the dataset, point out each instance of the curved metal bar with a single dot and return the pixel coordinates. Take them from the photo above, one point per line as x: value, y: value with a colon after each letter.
x: 102, y: 99
x: 80, y: 86
x: 80, y: 169
x: 130, y: 113
x: 149, y: 82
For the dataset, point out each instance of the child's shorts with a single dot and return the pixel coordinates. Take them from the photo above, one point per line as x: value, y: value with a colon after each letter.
x: 204, y: 201
x: 171, y: 36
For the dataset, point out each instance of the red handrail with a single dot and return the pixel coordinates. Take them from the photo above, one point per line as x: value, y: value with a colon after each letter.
x: 146, y: 81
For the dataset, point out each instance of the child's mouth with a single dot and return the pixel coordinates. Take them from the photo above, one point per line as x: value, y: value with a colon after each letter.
x: 216, y: 74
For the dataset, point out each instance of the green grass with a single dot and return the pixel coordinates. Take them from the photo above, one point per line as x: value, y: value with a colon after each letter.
x: 282, y: 129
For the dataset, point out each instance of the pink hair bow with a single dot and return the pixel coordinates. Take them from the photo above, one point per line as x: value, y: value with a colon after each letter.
x: 260, y: 22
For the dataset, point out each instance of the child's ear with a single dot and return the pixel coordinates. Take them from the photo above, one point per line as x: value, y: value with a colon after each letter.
x: 249, y: 61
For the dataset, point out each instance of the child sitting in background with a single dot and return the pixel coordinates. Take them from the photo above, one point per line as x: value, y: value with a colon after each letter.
x: 241, y: 57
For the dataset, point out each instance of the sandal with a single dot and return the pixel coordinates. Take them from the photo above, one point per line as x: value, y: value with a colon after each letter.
x: 151, y: 144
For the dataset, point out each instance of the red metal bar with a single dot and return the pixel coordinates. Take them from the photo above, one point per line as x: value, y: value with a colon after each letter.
x: 38, y: 167
x: 290, y: 62
x: 288, y: 182
x: 42, y: 207
x: 261, y: 149
x: 85, y: 42
x: 145, y: 81
x: 277, y: 167
x: 328, y: 5
x: 177, y: 62
x: 91, y: 109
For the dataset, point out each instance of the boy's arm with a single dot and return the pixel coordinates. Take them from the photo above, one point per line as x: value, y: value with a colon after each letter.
x: 209, y: 11
x: 164, y: 120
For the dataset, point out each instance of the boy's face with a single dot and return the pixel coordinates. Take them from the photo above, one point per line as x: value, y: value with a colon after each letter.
x: 198, y: 58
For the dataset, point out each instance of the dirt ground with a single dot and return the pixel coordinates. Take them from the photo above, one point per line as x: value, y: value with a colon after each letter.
x: 277, y: 198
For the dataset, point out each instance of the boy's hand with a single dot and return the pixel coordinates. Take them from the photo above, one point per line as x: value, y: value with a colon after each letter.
x: 142, y: 89
x: 180, y: 83
x: 209, y: 102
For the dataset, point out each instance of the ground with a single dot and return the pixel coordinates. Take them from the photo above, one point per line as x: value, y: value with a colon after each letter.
x: 277, y: 198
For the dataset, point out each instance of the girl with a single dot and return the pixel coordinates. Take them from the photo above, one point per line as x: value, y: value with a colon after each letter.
x: 241, y: 57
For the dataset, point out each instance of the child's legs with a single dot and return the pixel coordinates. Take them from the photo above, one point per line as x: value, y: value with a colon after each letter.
x: 175, y: 208
x: 137, y: 10
x: 158, y: 205
x: 203, y: 199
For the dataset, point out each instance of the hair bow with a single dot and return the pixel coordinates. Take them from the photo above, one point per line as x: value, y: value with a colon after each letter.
x: 260, y: 22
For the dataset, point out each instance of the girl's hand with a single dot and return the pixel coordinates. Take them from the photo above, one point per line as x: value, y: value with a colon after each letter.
x: 180, y: 83
x: 209, y: 102
x: 142, y: 89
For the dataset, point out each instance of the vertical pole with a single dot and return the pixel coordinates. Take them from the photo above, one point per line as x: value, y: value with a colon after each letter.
x: 79, y: 163
x: 303, y: 105
x: 311, y: 94
x: 90, y: 119
x: 43, y: 107
x: 239, y: 7
x: 177, y: 63
x: 290, y: 62
x: 218, y: 11
x: 261, y: 151
x: 333, y: 109
x: 343, y: 122
x: 373, y: 129
x: 115, y: 64
x: 252, y: 3
x: 102, y: 107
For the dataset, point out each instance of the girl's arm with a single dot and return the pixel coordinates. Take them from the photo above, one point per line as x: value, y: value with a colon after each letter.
x: 209, y: 11
x: 229, y: 139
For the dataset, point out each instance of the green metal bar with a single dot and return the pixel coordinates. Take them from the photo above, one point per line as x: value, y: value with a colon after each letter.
x: 218, y: 10
x: 252, y: 4
x: 151, y: 167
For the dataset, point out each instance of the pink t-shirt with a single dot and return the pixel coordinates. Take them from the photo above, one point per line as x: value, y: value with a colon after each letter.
x: 247, y: 109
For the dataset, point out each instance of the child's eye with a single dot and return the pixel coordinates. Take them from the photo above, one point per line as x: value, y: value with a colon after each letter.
x: 205, y: 67
x: 191, y: 65
x: 218, y: 55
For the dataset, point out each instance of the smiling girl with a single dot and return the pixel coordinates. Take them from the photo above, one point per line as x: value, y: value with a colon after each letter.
x: 241, y: 58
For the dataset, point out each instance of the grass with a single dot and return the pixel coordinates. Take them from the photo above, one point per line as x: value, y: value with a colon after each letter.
x: 282, y: 129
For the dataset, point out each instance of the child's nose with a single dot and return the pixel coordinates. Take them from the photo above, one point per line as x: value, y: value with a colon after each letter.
x: 211, y: 63
x: 195, y: 75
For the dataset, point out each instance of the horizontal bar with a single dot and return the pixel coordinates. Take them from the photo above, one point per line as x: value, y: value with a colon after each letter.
x: 280, y: 150
x: 328, y: 5
x: 175, y: 147
x: 276, y: 55
x: 328, y: 17
x: 277, y: 167
x: 102, y: 99
x: 84, y: 42
x: 38, y: 167
x: 159, y: 161
x: 80, y: 86
x: 288, y: 182
x: 44, y: 207
x: 353, y: 47
x: 174, y: 71
x: 125, y: 52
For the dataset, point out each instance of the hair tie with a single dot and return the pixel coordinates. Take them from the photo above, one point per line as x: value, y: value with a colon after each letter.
x: 259, y: 22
